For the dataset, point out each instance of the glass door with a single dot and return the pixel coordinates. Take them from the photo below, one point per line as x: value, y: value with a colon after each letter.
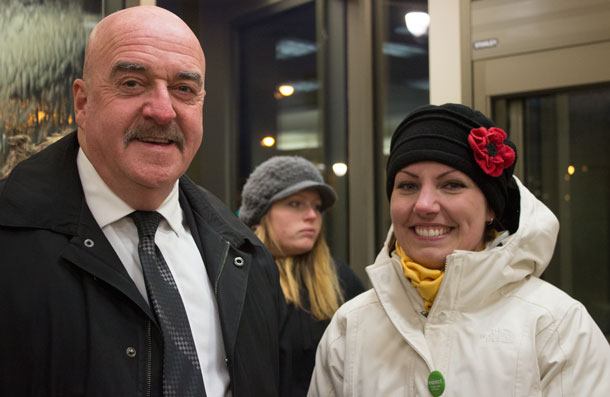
x: 402, y: 82
x: 565, y: 162
x: 285, y: 100
x: 556, y: 109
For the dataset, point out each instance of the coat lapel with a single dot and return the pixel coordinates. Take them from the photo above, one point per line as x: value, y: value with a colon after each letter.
x: 226, y: 257
x: 90, y: 250
x: 45, y: 192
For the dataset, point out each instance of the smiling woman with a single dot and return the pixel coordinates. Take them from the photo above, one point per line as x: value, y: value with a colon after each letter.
x: 435, y: 210
x: 456, y: 288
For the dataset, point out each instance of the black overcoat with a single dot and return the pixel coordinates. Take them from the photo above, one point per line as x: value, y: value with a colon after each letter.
x: 73, y: 321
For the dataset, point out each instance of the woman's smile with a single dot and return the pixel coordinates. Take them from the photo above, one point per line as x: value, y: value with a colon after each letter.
x: 436, y: 210
x: 430, y: 231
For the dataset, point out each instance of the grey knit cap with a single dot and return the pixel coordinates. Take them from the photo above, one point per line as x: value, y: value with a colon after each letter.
x: 278, y: 178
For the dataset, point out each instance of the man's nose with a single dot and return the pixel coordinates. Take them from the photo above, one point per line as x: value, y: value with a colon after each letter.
x: 159, y: 106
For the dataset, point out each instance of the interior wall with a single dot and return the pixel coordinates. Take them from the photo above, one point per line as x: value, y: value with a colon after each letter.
x: 449, y: 44
x: 559, y: 43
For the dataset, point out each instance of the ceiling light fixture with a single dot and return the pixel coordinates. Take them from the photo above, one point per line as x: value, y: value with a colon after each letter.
x: 417, y: 23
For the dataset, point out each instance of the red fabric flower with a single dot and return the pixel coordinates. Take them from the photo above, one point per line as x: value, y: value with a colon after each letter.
x: 490, y: 152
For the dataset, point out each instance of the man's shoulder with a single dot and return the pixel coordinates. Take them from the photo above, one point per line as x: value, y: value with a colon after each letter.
x: 46, y: 183
x: 213, y: 211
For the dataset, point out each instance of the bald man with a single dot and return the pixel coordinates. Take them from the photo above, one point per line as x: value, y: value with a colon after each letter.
x: 79, y: 314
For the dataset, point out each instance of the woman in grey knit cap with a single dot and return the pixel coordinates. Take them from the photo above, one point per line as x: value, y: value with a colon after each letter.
x: 283, y: 201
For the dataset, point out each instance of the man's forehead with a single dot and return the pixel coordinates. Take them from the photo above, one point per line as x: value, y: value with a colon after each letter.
x: 145, y: 27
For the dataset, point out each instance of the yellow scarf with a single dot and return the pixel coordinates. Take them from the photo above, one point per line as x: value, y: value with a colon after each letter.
x: 426, y: 281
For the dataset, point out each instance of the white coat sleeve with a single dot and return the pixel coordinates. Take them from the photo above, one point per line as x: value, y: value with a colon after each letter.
x: 328, y: 373
x: 574, y: 356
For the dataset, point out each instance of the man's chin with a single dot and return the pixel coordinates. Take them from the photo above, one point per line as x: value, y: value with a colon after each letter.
x: 155, y: 176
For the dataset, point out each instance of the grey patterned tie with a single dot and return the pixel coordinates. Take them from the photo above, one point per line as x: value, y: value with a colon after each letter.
x: 181, y: 370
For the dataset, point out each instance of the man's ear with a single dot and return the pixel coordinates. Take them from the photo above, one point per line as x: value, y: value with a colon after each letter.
x: 79, y: 90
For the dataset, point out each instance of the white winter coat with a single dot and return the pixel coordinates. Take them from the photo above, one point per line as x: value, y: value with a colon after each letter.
x: 495, y: 328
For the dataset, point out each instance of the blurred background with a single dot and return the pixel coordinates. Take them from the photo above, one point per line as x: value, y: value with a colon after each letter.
x: 330, y: 80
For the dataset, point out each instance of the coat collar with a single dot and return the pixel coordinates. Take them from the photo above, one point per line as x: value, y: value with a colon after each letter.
x: 473, y: 278
x: 209, y: 209
x: 45, y: 192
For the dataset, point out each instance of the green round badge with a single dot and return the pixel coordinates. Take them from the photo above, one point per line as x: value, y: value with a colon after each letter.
x: 436, y: 383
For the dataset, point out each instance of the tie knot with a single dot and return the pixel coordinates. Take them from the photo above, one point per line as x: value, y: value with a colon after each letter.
x: 147, y: 222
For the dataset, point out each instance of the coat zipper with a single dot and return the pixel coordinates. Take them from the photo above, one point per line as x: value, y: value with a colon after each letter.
x: 447, y: 270
x: 224, y: 259
x: 149, y: 362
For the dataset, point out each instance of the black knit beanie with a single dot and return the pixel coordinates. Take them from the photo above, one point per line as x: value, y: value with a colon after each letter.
x: 466, y: 140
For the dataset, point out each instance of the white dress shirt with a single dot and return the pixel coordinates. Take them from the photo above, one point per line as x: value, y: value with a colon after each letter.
x: 183, y: 258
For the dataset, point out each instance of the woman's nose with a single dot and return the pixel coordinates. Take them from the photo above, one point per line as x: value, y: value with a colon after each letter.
x: 427, y: 201
x: 311, y: 212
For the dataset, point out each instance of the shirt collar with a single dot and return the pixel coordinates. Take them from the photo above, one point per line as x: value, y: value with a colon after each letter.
x: 108, y: 208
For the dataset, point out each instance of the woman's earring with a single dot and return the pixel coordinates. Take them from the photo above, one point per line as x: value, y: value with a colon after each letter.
x: 490, y: 222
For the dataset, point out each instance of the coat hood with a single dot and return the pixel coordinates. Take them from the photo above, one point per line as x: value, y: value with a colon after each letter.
x: 494, y: 328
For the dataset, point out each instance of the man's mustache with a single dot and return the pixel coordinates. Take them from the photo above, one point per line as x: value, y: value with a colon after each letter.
x: 169, y: 132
